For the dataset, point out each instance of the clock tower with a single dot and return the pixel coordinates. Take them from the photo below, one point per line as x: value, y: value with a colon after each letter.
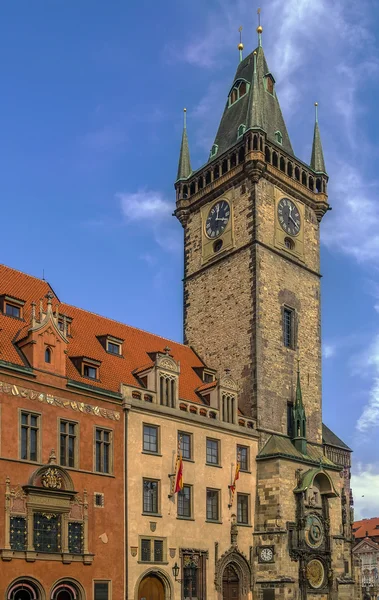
x: 251, y: 218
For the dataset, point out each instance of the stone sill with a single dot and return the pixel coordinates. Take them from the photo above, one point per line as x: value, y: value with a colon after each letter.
x: 31, y: 556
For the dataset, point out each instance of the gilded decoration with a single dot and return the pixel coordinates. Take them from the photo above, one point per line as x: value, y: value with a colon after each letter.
x: 21, y: 392
x: 315, y: 573
x: 52, y: 479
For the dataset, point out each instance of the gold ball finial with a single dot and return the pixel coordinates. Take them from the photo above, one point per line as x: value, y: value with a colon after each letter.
x: 184, y: 110
x: 240, y: 46
x: 255, y: 53
x: 316, y: 103
x: 259, y: 29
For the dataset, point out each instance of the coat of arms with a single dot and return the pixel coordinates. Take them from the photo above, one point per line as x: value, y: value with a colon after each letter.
x: 52, y: 479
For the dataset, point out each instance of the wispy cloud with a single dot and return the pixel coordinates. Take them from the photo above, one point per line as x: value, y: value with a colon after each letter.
x: 365, y: 485
x: 369, y: 362
x: 328, y: 350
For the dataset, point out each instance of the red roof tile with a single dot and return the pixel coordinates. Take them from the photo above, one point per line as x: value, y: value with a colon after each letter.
x: 366, y: 527
x: 83, y: 341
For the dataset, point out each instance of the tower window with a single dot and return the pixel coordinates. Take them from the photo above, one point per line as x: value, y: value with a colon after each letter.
x: 47, y: 355
x: 239, y: 90
x: 289, y: 419
x: 241, y: 130
x: 290, y: 244
x: 214, y: 150
x: 278, y: 137
x: 289, y: 327
x: 270, y: 84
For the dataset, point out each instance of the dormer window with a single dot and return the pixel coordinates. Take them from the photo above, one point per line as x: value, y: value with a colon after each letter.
x: 270, y: 83
x: 208, y: 376
x: 111, y: 344
x: 64, y: 324
x: 87, y: 367
x: 241, y: 131
x: 239, y: 90
x: 214, y: 150
x: 12, y: 307
x: 278, y: 137
x: 90, y: 372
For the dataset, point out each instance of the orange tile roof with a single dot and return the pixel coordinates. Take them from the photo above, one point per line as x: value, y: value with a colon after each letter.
x: 366, y: 527
x: 84, y: 331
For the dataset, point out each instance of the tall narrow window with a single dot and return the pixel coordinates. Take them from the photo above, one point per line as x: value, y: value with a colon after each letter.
x: 101, y: 590
x: 68, y: 435
x: 103, y: 450
x: 194, y: 575
x: 243, y: 509
x: 289, y: 419
x: 184, y: 502
x: 289, y: 327
x: 18, y: 533
x: 47, y: 532
x: 185, y: 440
x: 47, y: 355
x: 243, y: 456
x: 150, y: 439
x: 150, y: 496
x: 29, y: 436
x: 75, y: 538
x: 213, y: 457
x: 213, y: 505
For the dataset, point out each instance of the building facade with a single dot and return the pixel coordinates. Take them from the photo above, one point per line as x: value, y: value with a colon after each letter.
x: 98, y: 419
x: 366, y: 550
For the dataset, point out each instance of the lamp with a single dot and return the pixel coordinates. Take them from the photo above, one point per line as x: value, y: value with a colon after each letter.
x: 175, y: 571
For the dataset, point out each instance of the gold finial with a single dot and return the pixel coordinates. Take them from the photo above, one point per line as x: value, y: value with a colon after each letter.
x: 316, y: 103
x: 259, y: 28
x: 240, y: 45
x: 184, y: 110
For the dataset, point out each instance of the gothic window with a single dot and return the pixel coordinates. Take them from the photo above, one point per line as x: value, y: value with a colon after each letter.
x: 213, y: 454
x: 278, y: 137
x: 241, y: 131
x: 185, y: 502
x: 275, y: 159
x: 213, y: 505
x: 18, y: 533
x: 243, y: 457
x: 47, y: 532
x: 214, y: 150
x: 167, y: 390
x: 103, y: 450
x: 242, y: 509
x: 185, y: 441
x: 150, y: 438
x: 238, y: 91
x: 47, y: 355
x: 289, y: 327
x: 228, y: 408
x: 150, y: 496
x: 67, y: 445
x: 75, y: 538
x: 29, y: 436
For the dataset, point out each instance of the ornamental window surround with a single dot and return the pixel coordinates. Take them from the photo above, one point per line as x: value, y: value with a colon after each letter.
x: 193, y: 568
x: 239, y: 89
x: 46, y: 516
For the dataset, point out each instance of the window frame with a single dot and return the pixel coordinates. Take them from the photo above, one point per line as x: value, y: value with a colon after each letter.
x: 107, y: 581
x: 191, y: 447
x: 213, y: 464
x: 157, y: 429
x: 218, y: 492
x: 115, y: 344
x: 247, y: 448
x: 288, y: 310
x: 12, y: 305
x: 247, y: 496
x: 76, y: 442
x: 110, y: 444
x: 158, y: 499
x: 152, y: 540
x: 39, y: 435
x: 190, y: 515
x: 87, y: 367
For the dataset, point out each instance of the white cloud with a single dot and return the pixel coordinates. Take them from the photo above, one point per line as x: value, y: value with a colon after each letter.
x: 369, y: 364
x: 328, y: 350
x: 365, y: 485
x: 144, y: 205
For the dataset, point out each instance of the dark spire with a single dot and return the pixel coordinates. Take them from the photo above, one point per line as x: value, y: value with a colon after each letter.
x: 254, y: 117
x: 299, y: 436
x: 317, y: 159
x: 184, y: 167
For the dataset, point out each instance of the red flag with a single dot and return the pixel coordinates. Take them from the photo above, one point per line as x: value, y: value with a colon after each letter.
x: 179, y: 475
x: 232, y: 488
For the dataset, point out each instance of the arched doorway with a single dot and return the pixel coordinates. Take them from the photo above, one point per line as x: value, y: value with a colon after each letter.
x: 230, y: 583
x: 151, y: 588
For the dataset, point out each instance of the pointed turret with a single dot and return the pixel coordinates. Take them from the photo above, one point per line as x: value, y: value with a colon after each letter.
x: 317, y: 159
x: 299, y: 435
x: 184, y: 167
x: 254, y: 116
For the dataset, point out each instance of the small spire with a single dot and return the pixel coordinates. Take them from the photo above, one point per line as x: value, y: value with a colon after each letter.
x: 254, y: 112
x: 317, y: 158
x: 299, y: 397
x: 240, y: 45
x: 184, y: 167
x: 299, y: 419
x: 259, y: 28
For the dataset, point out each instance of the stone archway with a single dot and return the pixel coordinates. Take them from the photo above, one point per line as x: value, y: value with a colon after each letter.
x: 153, y: 584
x: 233, y: 575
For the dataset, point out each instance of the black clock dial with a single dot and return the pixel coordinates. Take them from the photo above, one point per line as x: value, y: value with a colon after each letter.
x: 289, y: 216
x: 217, y: 219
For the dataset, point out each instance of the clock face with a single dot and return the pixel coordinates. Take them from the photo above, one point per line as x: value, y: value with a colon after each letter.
x: 218, y: 218
x: 314, y: 531
x: 289, y: 216
x: 266, y: 554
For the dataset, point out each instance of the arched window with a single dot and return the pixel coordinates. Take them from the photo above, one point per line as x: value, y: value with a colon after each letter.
x: 192, y: 188
x: 214, y: 150
x: 278, y: 137
x: 282, y: 164
x: 47, y: 355
x: 23, y: 590
x: 216, y: 172
x: 304, y: 178
x: 65, y: 591
x: 275, y: 159
x: 224, y: 166
x: 233, y: 160
x: 241, y: 155
x: 241, y: 130
x: 310, y: 183
x: 267, y: 154
x: 297, y: 173
x: 185, y: 191
x: 239, y: 89
x: 207, y: 177
x: 255, y: 142
x: 289, y: 169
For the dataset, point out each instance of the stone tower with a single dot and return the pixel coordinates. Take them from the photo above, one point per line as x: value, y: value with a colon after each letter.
x: 251, y: 217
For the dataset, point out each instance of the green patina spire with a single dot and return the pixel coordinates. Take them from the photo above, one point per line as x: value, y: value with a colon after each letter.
x: 254, y: 109
x: 299, y: 420
x: 317, y: 159
x: 184, y: 167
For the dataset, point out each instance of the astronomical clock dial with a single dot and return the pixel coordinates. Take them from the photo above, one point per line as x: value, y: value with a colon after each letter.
x: 314, y: 531
x: 266, y: 554
x: 289, y: 216
x: 217, y: 219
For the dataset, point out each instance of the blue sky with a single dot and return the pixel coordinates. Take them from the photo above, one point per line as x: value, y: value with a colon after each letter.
x: 90, y: 122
